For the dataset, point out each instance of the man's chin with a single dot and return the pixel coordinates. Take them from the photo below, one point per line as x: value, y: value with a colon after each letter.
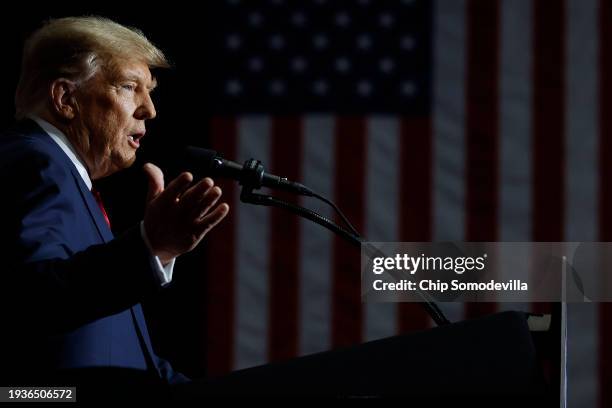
x: 131, y: 160
x: 127, y: 162
x: 121, y: 163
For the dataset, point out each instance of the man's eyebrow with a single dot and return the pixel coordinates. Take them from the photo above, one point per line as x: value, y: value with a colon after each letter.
x: 153, y: 84
x: 138, y: 79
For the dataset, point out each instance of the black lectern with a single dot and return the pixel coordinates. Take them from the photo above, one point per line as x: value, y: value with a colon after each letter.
x: 491, y: 360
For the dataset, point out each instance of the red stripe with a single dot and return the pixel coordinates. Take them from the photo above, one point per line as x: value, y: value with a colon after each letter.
x: 604, y: 354
x: 415, y: 212
x: 605, y: 191
x: 284, y: 244
x: 548, y: 120
x: 349, y: 160
x: 220, y: 252
x: 482, y: 139
x: 548, y: 124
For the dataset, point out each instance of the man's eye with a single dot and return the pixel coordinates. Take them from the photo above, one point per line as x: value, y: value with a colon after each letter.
x: 128, y: 87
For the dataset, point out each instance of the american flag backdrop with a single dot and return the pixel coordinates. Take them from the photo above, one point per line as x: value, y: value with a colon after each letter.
x: 476, y: 120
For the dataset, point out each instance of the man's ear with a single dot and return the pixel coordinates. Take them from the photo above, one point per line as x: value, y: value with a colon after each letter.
x: 63, y: 100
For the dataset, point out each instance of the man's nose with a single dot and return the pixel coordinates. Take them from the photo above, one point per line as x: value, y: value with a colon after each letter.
x: 146, y: 110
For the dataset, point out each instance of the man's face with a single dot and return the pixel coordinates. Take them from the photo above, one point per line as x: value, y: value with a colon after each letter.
x: 112, y: 110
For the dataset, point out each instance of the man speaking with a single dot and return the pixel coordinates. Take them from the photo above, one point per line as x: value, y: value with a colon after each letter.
x: 70, y: 290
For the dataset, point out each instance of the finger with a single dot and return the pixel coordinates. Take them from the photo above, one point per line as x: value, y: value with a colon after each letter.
x: 155, y: 178
x: 207, y: 201
x: 195, y: 194
x: 211, y: 220
x: 178, y: 186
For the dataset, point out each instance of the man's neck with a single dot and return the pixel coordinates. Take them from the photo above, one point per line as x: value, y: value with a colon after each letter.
x: 62, y: 140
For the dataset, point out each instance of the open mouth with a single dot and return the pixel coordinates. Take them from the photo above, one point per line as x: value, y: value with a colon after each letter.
x: 134, y: 139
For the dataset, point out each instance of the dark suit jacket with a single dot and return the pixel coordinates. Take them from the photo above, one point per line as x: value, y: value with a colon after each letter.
x: 70, y: 291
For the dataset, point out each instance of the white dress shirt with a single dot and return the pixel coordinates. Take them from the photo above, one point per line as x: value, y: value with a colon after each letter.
x: 164, y: 273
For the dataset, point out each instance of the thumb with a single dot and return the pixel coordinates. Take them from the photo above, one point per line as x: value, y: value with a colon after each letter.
x: 156, y: 180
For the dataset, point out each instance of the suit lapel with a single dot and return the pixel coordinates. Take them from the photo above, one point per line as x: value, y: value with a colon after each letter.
x: 31, y: 128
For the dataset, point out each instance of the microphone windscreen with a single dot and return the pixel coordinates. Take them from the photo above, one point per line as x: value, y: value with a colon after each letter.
x: 176, y: 160
x: 198, y: 160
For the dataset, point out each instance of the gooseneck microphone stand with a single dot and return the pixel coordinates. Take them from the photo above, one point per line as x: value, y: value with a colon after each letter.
x: 251, y: 179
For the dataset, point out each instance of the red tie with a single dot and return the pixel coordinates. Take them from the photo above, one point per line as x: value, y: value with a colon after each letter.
x: 98, y: 197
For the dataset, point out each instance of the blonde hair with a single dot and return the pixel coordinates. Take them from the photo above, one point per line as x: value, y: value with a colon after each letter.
x: 76, y: 48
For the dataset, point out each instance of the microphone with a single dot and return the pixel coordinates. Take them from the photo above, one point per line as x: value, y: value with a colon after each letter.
x: 252, y: 174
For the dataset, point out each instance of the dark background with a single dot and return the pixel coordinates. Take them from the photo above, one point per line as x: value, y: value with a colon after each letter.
x: 184, y: 102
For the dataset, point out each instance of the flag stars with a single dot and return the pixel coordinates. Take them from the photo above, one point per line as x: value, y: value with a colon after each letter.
x: 255, y: 64
x: 343, y: 65
x: 301, y: 55
x: 233, y: 41
x: 277, y: 87
x: 364, y: 88
x: 386, y: 20
x: 320, y: 87
x: 233, y: 87
x: 407, y: 43
x: 386, y: 65
x: 277, y: 42
x: 298, y: 19
x: 364, y: 42
x: 320, y: 41
x: 255, y: 19
x: 298, y: 64
x: 342, y: 19
x: 408, y: 88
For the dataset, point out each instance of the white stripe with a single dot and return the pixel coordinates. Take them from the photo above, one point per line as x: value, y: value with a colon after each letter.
x: 316, y: 242
x: 253, y: 237
x: 583, y: 360
x: 448, y: 126
x: 582, y: 119
x: 382, y: 184
x: 515, y: 120
x: 515, y: 153
x: 581, y: 188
